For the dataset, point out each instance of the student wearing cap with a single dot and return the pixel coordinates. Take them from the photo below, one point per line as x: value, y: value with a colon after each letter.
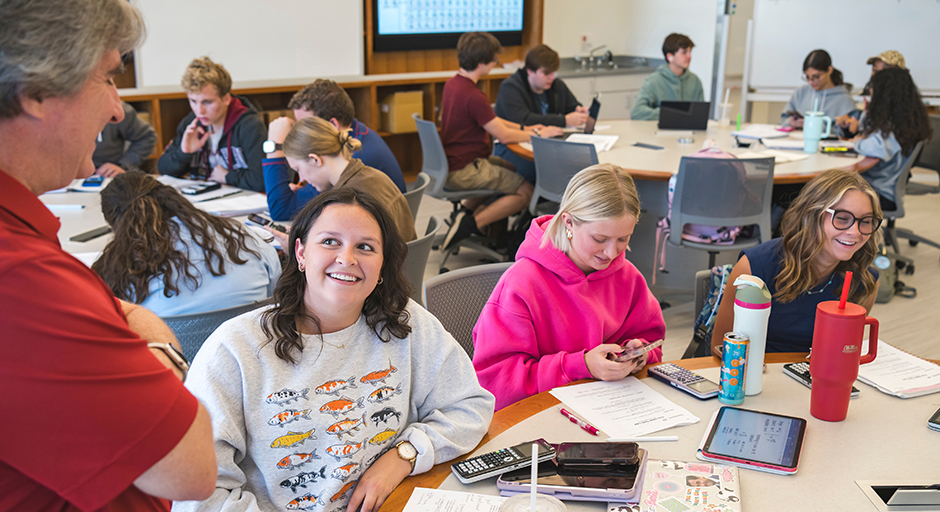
x: 534, y: 95
x: 848, y: 123
x: 671, y: 81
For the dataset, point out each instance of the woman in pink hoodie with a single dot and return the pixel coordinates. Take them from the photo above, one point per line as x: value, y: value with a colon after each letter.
x: 571, y: 302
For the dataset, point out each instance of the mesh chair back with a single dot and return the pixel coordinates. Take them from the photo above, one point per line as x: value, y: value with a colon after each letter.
x: 192, y: 330
x: 930, y: 154
x: 417, y: 259
x: 722, y: 192
x: 414, y: 195
x: 900, y: 188
x: 457, y: 298
x: 434, y: 162
x: 556, y: 161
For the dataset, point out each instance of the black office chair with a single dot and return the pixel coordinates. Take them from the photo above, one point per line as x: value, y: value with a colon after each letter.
x: 929, y: 159
x: 556, y: 161
x: 893, y: 233
x: 193, y: 329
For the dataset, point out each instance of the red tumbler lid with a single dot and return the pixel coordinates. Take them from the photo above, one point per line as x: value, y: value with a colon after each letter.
x: 831, y: 307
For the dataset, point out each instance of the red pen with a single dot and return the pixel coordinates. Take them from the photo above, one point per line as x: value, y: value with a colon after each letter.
x: 587, y: 427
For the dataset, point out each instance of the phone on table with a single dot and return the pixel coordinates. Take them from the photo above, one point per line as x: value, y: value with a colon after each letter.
x: 261, y: 221
x: 91, y: 234
x: 800, y: 373
x: 934, y: 422
x: 627, y: 355
x: 93, y: 181
x: 201, y: 188
x: 501, y: 461
x: 684, y: 380
x: 596, y: 455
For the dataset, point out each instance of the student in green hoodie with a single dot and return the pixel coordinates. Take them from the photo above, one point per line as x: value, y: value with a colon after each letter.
x: 671, y: 81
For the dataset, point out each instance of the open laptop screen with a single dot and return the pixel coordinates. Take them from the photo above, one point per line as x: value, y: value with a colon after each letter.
x: 684, y: 115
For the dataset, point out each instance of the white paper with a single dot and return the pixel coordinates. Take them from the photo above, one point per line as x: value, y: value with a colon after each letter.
x: 242, y: 204
x: 898, y: 373
x: 76, y: 186
x: 759, y: 131
x: 177, y: 183
x: 782, y: 144
x: 601, y: 142
x: 435, y: 500
x: 88, y: 258
x: 626, y: 408
x: 780, y: 157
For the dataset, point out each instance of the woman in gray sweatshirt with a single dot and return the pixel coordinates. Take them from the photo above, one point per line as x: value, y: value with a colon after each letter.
x: 328, y: 399
x: 825, y: 85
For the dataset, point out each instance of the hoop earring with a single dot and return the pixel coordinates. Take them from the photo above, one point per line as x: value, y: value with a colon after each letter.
x: 381, y: 280
x: 568, y: 233
x: 300, y: 266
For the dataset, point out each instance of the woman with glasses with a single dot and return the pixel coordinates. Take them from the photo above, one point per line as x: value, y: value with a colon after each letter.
x: 830, y: 228
x: 894, y: 122
x: 824, y: 83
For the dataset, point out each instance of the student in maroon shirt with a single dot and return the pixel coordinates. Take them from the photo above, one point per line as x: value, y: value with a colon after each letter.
x: 467, y: 121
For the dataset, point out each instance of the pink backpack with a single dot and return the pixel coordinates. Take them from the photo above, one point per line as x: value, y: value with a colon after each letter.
x: 724, y: 235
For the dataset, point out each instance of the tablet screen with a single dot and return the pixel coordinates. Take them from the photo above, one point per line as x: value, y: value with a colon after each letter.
x: 756, y: 436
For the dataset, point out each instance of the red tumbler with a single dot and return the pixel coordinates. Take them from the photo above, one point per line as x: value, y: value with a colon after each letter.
x: 837, y: 343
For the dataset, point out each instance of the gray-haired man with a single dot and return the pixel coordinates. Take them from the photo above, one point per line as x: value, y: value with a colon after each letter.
x: 92, y: 418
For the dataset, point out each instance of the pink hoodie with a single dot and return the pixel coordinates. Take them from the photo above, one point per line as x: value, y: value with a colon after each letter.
x: 545, y: 314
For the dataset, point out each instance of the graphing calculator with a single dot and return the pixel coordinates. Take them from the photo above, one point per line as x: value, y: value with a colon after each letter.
x: 685, y: 380
x: 501, y: 461
x: 800, y: 372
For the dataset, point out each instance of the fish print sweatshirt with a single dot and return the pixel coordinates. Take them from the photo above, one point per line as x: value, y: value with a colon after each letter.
x: 299, y: 436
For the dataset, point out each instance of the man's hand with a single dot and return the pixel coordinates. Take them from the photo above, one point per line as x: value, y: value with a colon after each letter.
x: 279, y: 128
x: 549, y: 131
x: 378, y: 482
x: 194, y: 138
x: 218, y: 174
x: 576, y: 118
x: 109, y: 170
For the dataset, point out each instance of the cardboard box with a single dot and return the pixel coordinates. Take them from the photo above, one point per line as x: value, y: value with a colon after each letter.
x: 397, y: 108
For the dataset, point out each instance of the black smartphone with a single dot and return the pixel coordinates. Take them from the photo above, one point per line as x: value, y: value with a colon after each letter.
x: 200, y: 188
x: 90, y: 234
x: 620, y: 477
x: 934, y: 422
x: 261, y: 221
x: 588, y: 455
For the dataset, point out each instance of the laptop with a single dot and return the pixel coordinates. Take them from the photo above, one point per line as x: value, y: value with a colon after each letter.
x: 684, y: 115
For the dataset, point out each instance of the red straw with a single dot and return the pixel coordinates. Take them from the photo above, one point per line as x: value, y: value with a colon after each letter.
x: 845, y: 289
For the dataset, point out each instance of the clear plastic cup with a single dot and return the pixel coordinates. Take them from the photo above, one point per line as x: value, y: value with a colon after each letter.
x: 543, y: 503
x: 724, y: 118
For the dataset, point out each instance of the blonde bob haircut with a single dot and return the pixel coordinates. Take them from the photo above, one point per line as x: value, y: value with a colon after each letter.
x: 314, y: 136
x: 803, y: 228
x: 599, y: 192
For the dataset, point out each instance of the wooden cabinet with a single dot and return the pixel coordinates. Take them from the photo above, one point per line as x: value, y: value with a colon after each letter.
x: 618, y: 92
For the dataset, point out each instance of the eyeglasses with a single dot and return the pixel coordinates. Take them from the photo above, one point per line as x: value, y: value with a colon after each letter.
x: 812, y: 78
x: 843, y: 220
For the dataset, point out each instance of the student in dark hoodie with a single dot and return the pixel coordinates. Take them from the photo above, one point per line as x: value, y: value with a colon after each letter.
x: 221, y: 139
x: 533, y: 95
x: 671, y: 81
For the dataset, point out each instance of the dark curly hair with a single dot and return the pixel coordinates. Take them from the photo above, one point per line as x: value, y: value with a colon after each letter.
x: 896, y: 107
x: 384, y: 308
x: 146, y: 216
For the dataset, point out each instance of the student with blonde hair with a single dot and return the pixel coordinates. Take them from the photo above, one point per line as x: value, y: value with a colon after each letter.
x: 571, y: 302
x: 830, y: 228
x: 322, y: 156
x: 220, y: 140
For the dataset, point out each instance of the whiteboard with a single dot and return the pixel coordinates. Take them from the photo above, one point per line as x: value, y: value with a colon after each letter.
x: 254, y: 40
x: 785, y: 31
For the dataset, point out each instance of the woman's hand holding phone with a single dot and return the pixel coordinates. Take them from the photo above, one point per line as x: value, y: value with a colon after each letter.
x: 600, y: 361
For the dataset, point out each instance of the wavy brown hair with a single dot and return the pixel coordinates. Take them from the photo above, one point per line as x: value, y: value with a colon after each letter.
x: 804, y: 236
x: 384, y: 308
x: 146, y: 216
x: 896, y: 107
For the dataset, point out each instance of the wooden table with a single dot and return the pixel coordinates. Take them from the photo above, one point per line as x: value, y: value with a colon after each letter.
x: 509, y: 416
x: 660, y: 165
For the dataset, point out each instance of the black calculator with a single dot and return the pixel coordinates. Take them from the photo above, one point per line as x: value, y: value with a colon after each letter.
x: 685, y: 380
x: 500, y: 461
x: 800, y: 373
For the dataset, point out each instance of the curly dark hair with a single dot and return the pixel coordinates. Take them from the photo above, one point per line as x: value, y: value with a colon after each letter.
x: 384, y: 308
x: 146, y: 216
x: 896, y: 107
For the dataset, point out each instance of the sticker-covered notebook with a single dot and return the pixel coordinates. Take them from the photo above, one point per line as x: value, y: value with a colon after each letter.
x: 677, y: 486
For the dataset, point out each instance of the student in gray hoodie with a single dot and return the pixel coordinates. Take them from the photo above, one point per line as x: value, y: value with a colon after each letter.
x: 330, y: 397
x: 671, y: 81
x: 824, y: 83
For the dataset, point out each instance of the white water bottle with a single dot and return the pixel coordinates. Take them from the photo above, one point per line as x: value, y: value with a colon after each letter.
x: 751, y: 312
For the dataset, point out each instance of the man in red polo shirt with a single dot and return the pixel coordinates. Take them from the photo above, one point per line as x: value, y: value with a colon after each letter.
x: 467, y: 121
x: 92, y: 418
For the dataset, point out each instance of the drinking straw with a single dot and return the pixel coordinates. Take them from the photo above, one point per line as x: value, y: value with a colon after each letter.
x: 534, y: 478
x: 845, y: 289
x: 816, y: 104
x: 739, y: 123
x: 727, y: 95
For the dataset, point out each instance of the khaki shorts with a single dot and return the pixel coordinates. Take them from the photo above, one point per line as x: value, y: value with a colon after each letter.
x: 492, y: 173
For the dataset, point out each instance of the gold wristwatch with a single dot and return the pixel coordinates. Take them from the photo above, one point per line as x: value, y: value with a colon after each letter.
x: 176, y: 357
x: 407, y: 451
